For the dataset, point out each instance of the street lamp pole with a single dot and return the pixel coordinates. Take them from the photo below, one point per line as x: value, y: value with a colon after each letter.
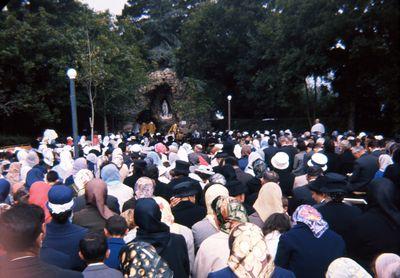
x: 71, y: 73
x: 229, y: 112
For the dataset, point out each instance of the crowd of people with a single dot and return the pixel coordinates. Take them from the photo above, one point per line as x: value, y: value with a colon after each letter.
x: 213, y: 204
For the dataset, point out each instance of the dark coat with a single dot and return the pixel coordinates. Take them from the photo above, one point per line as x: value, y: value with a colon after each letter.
x: 162, y: 190
x: 304, y: 254
x: 228, y: 273
x: 392, y: 173
x: 286, y: 181
x: 301, y: 196
x: 346, y: 162
x: 171, y: 247
x: 364, y: 171
x: 181, y: 179
x: 111, y: 202
x: 372, y: 234
x: 187, y: 214
x: 114, y: 245
x: 333, y: 162
x: 90, y: 218
x: 269, y: 153
x: 340, y: 216
x: 65, y: 238
x: 291, y: 152
x: 33, y: 267
x: 243, y: 177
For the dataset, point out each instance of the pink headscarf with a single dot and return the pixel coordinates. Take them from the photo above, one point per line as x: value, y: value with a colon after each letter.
x: 38, y: 195
x: 160, y: 148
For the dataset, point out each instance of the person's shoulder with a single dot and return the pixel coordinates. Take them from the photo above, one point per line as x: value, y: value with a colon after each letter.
x: 223, y: 273
x: 282, y: 273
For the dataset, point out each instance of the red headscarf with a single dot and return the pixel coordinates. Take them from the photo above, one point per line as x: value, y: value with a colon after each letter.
x: 38, y: 195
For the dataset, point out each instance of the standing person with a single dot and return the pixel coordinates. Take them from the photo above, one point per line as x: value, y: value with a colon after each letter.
x: 318, y: 247
x: 254, y: 260
x: 281, y: 165
x: 339, y: 215
x: 275, y: 225
x: 110, y: 174
x: 346, y: 158
x: 115, y: 230
x: 95, y: 213
x: 270, y: 152
x: 187, y: 212
x: 214, y: 251
x: 181, y: 174
x: 288, y: 148
x: 364, y: 170
x: 21, y: 234
x: 94, y: 250
x: 171, y: 247
x: 209, y: 224
x: 61, y: 234
x: 318, y: 128
x: 269, y: 201
x: 377, y: 230
x: 298, y: 163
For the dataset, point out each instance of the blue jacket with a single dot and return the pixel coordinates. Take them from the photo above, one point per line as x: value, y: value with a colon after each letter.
x: 228, y: 273
x: 304, y: 254
x: 114, y: 245
x: 64, y: 238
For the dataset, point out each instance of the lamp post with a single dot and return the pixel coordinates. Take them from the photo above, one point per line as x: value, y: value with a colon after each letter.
x: 71, y: 73
x: 229, y: 98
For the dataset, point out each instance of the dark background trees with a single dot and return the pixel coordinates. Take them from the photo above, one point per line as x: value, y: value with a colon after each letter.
x: 333, y: 59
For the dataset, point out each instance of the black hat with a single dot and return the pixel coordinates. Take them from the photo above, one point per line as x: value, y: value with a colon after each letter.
x: 317, y: 184
x: 184, y: 189
x: 182, y: 167
x: 335, y: 183
x: 236, y: 188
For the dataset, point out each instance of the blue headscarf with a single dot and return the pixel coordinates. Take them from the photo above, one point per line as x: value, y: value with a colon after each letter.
x: 4, y: 190
x: 155, y: 158
x: 110, y: 173
x: 34, y: 175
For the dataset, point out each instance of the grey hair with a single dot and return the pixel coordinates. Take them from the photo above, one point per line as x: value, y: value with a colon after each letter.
x: 218, y: 178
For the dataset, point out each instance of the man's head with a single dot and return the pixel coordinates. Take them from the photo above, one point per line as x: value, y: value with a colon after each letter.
x: 93, y: 248
x: 52, y: 177
x: 246, y: 150
x: 22, y: 229
x: 316, y: 121
x: 270, y: 176
x: 357, y: 151
x: 116, y: 226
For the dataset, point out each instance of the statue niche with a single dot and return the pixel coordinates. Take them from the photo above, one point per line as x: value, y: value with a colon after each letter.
x: 165, y: 110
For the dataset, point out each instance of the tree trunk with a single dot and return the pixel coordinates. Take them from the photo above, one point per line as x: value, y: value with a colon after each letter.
x: 352, y: 115
x: 315, y: 98
x: 105, y: 120
x: 308, y: 105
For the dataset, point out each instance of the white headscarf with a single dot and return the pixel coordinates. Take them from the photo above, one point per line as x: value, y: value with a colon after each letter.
x: 346, y: 268
x: 269, y: 200
x: 384, y: 161
x: 252, y: 157
x: 212, y: 193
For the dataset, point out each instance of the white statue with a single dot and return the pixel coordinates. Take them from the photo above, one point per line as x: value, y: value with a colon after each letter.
x: 165, y: 110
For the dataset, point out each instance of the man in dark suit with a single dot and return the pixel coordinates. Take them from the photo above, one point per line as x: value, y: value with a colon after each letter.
x: 364, y: 170
x: 346, y: 158
x: 186, y: 212
x: 288, y: 148
x: 21, y: 235
x: 181, y: 174
x: 270, y: 152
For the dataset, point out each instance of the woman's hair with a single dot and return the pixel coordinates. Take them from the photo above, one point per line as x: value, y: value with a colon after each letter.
x: 301, y: 145
x: 61, y: 218
x: 276, y: 222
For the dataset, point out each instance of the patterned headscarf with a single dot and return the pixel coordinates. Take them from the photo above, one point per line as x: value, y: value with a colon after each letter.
x: 229, y: 211
x: 140, y: 259
x: 249, y: 253
x: 346, y: 268
x: 14, y: 173
x: 386, y: 263
x: 144, y: 188
x: 312, y: 218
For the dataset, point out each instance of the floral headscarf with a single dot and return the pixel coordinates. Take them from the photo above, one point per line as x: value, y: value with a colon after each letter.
x: 312, y: 218
x: 14, y: 173
x: 144, y: 188
x: 140, y: 259
x: 229, y: 211
x: 249, y: 253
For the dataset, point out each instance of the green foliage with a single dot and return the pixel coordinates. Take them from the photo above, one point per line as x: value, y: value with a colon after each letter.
x: 42, y: 39
x: 195, y: 106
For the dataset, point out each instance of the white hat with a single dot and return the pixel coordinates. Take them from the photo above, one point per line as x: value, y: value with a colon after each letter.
x: 361, y: 135
x: 136, y: 148
x: 280, y: 161
x: 318, y: 159
x: 379, y: 137
x: 204, y: 170
x: 321, y: 141
x: 81, y: 179
x: 245, y: 133
x: 266, y: 132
